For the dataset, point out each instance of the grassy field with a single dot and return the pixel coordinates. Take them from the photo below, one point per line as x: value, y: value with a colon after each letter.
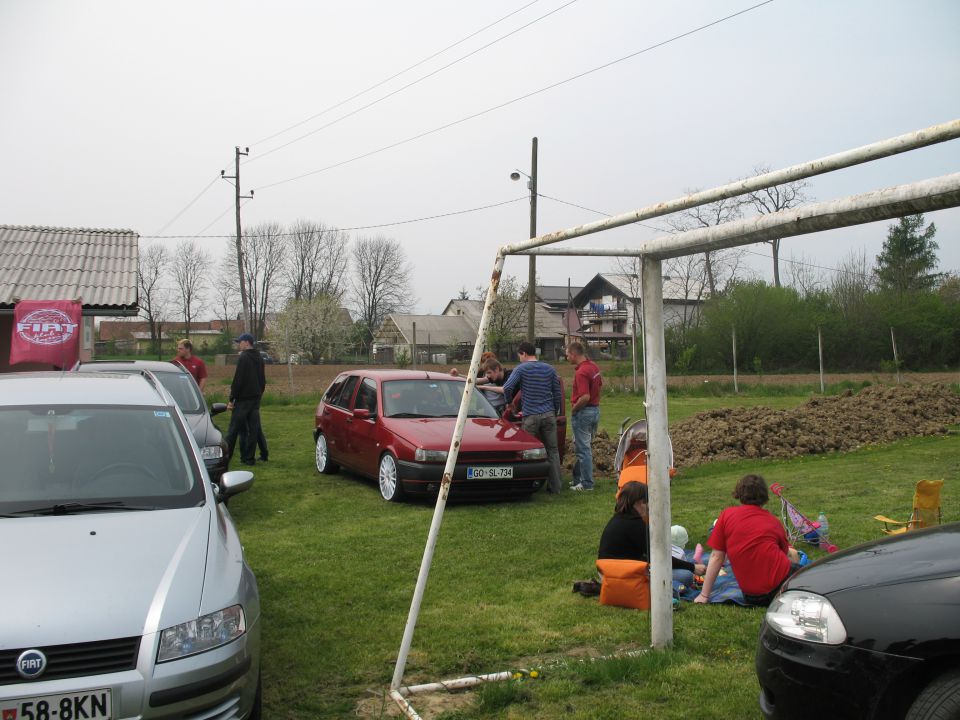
x: 337, y: 567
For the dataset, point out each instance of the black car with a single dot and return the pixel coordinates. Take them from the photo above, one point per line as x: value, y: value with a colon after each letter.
x: 181, y: 385
x: 870, y: 632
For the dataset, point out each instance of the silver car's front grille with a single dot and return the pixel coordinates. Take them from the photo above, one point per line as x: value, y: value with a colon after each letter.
x: 76, y: 660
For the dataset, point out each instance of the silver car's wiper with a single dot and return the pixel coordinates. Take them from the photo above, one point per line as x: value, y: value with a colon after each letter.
x: 74, y: 507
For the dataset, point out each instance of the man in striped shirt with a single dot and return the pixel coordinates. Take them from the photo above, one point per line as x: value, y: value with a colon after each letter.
x: 539, y: 386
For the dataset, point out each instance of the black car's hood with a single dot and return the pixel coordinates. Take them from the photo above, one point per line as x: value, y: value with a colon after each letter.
x: 913, y: 556
x: 898, y: 595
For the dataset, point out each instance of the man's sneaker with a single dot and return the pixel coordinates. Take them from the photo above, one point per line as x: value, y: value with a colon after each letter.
x: 580, y: 486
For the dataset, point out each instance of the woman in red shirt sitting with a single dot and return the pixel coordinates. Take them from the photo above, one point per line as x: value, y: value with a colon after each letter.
x: 756, y: 543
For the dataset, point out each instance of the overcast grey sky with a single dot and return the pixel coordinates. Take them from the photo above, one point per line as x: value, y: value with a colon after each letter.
x: 118, y: 113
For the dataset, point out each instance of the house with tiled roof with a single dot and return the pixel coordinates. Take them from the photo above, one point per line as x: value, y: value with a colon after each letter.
x: 98, y: 267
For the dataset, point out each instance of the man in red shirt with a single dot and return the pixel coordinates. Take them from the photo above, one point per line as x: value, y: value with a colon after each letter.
x: 757, y: 545
x: 194, y: 365
x: 584, y: 414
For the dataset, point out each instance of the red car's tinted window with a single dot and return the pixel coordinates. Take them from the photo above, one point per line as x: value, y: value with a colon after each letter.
x: 367, y: 396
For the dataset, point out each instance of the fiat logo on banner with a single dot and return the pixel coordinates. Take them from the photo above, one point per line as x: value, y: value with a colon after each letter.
x: 46, y: 331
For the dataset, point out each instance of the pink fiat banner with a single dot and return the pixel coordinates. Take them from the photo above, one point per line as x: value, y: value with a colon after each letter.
x: 46, y: 331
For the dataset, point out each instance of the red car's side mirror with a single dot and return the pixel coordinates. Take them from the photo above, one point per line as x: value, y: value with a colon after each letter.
x: 362, y: 414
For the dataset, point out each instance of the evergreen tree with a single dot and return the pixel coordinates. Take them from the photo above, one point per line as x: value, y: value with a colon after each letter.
x: 909, y: 257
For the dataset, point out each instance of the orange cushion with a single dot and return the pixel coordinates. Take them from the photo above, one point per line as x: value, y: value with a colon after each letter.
x: 626, y: 583
x: 633, y: 473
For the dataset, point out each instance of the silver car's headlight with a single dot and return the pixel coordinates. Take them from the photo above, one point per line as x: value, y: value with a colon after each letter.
x: 211, y: 452
x: 535, y: 454
x: 806, y: 616
x: 204, y: 633
x: 422, y: 455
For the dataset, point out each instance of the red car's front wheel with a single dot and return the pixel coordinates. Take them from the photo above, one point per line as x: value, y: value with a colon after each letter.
x: 390, y: 486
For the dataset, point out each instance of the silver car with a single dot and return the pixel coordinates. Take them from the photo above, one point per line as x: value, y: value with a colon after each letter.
x: 126, y: 593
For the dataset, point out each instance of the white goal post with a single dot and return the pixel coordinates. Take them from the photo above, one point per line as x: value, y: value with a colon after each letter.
x: 919, y: 197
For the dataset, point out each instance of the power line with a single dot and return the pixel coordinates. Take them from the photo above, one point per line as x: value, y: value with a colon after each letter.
x: 344, y: 229
x: 159, y: 233
x: 188, y: 205
x: 397, y: 74
x: 517, y: 99
x: 408, y: 85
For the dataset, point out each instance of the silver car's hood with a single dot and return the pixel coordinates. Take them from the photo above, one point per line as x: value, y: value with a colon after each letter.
x: 88, y: 577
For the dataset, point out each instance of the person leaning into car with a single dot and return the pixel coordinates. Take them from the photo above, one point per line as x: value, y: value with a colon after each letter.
x: 249, y: 382
x: 755, y: 540
x: 539, y: 386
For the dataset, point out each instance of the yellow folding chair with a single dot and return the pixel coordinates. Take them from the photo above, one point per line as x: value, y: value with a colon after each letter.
x: 926, y: 509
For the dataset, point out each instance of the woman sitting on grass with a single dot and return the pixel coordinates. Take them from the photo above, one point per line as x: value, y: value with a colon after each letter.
x: 625, y: 536
x: 759, y: 553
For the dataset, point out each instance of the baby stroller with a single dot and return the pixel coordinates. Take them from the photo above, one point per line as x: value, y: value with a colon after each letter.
x: 630, y: 462
x: 799, y: 528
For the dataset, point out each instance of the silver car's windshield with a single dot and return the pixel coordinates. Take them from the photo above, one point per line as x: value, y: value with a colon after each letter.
x: 431, y: 398
x: 61, y: 459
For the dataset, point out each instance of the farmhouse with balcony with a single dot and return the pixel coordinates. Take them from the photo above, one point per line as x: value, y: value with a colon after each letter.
x: 609, y: 308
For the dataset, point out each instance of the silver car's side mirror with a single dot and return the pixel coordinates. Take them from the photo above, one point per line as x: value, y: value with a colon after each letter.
x: 235, y: 482
x: 218, y: 408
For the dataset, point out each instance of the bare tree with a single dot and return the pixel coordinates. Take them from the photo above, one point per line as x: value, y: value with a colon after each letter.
x: 774, y: 199
x: 189, y: 269
x: 507, y: 323
x: 317, y: 261
x: 720, y: 267
x: 850, y: 284
x: 380, y: 281
x: 803, y: 276
x: 263, y: 257
x: 225, y: 295
x: 152, y: 263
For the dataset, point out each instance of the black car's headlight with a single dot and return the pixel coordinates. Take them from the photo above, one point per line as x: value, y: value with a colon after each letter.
x: 806, y: 616
x: 204, y: 633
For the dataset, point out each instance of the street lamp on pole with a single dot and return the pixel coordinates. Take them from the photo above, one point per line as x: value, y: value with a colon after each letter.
x: 532, y: 276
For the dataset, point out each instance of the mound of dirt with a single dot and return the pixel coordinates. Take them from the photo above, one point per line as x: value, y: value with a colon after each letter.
x: 877, y: 413
x: 847, y: 421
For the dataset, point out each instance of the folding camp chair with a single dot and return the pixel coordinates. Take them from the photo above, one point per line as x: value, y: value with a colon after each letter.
x: 926, y: 509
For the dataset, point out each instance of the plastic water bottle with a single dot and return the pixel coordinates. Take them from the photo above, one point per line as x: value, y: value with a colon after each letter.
x: 824, y: 530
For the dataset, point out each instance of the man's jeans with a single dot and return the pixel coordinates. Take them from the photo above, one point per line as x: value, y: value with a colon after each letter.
x: 544, y: 428
x: 245, y: 423
x: 585, y: 423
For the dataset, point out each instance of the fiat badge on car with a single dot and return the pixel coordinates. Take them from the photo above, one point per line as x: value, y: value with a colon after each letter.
x: 31, y: 664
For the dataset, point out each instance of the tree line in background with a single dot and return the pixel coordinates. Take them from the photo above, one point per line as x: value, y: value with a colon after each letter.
x: 304, y: 277
x: 308, y: 275
x: 859, y: 312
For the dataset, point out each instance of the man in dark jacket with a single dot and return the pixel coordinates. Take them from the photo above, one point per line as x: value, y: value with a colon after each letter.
x: 249, y: 382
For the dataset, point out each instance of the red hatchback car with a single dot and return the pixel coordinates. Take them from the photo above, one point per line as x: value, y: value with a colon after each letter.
x: 396, y: 426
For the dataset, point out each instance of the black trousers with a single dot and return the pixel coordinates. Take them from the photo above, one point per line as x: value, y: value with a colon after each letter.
x: 245, y: 423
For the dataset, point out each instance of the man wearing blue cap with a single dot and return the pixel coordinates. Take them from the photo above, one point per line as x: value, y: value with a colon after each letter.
x: 249, y: 382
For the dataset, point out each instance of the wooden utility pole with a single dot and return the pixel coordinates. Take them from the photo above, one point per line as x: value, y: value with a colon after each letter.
x: 244, y: 298
x: 532, y: 277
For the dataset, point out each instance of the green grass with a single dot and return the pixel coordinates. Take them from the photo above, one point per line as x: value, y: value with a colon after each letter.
x: 337, y: 566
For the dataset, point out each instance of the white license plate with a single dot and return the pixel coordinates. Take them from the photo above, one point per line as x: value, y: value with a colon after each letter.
x: 89, y: 705
x: 499, y: 472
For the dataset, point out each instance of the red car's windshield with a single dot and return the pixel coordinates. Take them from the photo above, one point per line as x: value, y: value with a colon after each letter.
x: 425, y: 398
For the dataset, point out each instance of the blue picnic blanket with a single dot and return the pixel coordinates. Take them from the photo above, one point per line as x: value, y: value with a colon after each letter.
x: 725, y: 589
